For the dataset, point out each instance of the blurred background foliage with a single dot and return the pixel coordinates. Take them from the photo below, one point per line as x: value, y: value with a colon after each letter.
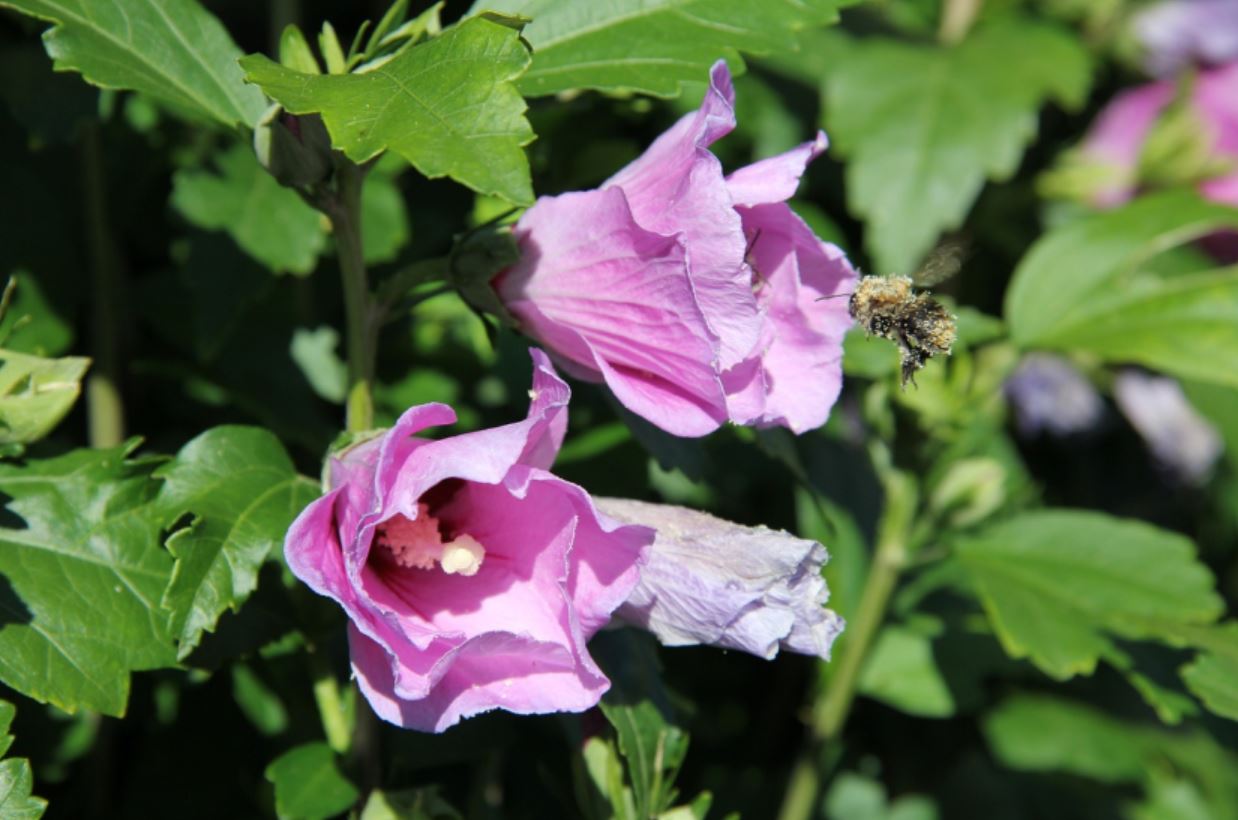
x: 1028, y: 663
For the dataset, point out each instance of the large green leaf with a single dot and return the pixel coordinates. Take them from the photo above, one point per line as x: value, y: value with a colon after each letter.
x: 173, y: 50
x: 35, y: 394
x: 1058, y: 583
x: 449, y: 106
x: 243, y: 492
x: 80, y: 583
x: 309, y: 784
x: 1081, y: 287
x: 270, y: 222
x: 923, y: 126
x: 651, y: 46
x: 16, y: 780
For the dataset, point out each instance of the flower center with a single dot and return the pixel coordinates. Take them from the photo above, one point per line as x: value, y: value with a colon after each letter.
x: 418, y: 544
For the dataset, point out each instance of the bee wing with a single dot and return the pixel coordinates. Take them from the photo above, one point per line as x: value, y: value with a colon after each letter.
x: 942, y: 262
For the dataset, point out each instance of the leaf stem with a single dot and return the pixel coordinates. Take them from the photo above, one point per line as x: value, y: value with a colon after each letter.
x: 360, y: 313
x: 831, y: 710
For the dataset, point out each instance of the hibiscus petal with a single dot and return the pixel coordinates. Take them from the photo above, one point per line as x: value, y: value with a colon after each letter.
x: 802, y: 361
x: 614, y: 299
x: 709, y: 581
x: 676, y: 186
x: 774, y: 179
x: 493, y: 672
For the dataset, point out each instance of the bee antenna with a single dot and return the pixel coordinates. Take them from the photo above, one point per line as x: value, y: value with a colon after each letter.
x: 832, y: 296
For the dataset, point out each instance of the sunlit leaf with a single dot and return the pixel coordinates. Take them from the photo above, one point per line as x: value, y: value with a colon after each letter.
x: 173, y: 50
x: 651, y: 46
x: 243, y: 491
x: 1057, y: 584
x: 449, y: 106
x: 1082, y: 287
x: 81, y: 580
x: 922, y: 127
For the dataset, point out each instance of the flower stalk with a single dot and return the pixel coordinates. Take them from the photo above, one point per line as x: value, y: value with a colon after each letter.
x: 831, y: 710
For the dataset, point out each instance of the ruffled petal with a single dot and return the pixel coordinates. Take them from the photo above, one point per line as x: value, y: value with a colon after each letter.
x: 709, y: 581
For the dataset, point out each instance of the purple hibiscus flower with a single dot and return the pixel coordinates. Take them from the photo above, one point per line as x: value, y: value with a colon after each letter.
x: 692, y: 295
x: 472, y: 576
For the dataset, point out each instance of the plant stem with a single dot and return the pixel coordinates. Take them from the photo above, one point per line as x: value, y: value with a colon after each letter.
x: 360, y: 315
x: 104, y: 406
x: 830, y: 713
x: 957, y: 17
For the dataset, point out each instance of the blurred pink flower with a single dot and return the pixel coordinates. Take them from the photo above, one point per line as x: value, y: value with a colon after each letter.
x: 1178, y: 33
x: 471, y: 576
x: 1118, y: 140
x: 693, y: 296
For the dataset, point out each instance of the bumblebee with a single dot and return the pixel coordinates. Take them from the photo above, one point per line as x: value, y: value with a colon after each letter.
x: 886, y: 306
x: 921, y: 327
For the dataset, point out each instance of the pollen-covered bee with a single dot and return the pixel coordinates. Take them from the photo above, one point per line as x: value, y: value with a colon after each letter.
x: 887, y: 306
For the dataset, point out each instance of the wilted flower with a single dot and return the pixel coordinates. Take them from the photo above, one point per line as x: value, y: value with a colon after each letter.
x: 709, y: 581
x: 1153, y: 136
x: 1180, y: 439
x: 693, y: 296
x: 1179, y: 33
x: 471, y: 576
x: 1049, y: 394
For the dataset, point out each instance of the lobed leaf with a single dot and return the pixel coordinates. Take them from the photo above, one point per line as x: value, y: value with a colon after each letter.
x: 243, y: 492
x: 81, y: 578
x: 1057, y: 584
x: 449, y: 106
x: 1082, y: 288
x: 174, y: 50
x: 651, y: 46
x: 924, y: 126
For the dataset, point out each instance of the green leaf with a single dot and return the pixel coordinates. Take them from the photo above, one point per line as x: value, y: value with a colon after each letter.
x: 309, y: 784
x: 257, y: 701
x: 270, y: 222
x: 449, y: 106
x: 384, y: 219
x: 651, y: 47
x: 856, y: 797
x: 1037, y: 733
x: 16, y: 780
x: 80, y: 583
x: 900, y: 671
x: 173, y: 50
x: 1085, y: 287
x: 409, y: 804
x: 243, y: 492
x: 1213, y: 675
x: 1058, y: 583
x: 924, y: 126
x: 35, y: 394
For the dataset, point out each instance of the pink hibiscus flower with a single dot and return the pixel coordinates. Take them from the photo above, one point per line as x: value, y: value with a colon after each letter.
x: 472, y: 577
x: 692, y: 295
